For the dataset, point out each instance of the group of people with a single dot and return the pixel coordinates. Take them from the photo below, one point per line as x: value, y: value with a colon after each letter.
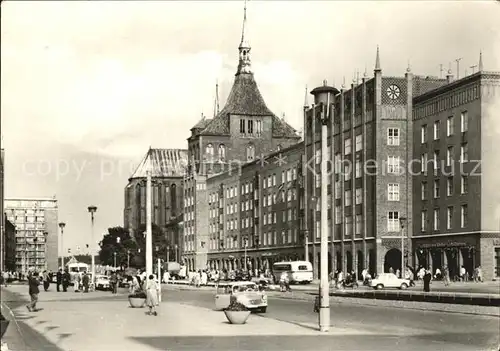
x: 151, y: 286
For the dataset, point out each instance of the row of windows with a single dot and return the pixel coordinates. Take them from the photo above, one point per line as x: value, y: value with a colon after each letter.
x: 450, y: 212
x: 450, y: 188
x: 251, y: 127
x: 209, y: 151
x: 450, y: 127
x: 450, y: 157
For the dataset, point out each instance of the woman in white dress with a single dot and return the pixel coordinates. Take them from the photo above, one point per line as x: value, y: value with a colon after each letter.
x: 152, y: 289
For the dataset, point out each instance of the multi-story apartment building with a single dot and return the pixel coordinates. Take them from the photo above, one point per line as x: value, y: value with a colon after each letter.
x: 37, y: 240
x: 167, y: 167
x: 456, y: 199
x: 244, y: 131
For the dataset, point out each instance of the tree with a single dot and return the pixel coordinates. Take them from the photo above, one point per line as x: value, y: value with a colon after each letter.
x: 119, y: 241
x: 160, y: 242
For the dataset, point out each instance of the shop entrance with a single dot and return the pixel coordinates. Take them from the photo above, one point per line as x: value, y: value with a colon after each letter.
x: 392, y: 260
x: 360, y: 264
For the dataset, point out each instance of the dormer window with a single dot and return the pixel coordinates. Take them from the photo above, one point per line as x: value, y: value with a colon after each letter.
x: 250, y: 127
x: 222, y: 152
x: 242, y: 126
x: 250, y: 153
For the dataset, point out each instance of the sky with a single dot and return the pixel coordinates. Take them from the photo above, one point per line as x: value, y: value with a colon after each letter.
x: 87, y: 87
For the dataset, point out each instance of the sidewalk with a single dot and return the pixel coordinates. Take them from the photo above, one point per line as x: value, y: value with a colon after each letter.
x: 110, y: 324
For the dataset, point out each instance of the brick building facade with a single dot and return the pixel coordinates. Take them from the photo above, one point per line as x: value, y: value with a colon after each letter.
x: 168, y: 167
x: 457, y: 202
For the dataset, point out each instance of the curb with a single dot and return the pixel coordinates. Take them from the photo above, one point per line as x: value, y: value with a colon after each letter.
x: 475, y: 299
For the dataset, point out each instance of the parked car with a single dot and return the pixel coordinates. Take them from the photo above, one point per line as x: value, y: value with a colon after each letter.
x: 247, y: 293
x: 102, y: 282
x: 389, y: 280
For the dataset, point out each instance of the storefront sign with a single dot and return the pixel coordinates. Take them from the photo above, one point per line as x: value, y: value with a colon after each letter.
x: 444, y: 244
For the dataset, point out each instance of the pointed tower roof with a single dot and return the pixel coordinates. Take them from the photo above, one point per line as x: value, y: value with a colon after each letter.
x: 480, y: 61
x: 306, y: 99
x: 377, y: 61
x: 162, y: 163
x: 244, y: 39
x: 245, y: 97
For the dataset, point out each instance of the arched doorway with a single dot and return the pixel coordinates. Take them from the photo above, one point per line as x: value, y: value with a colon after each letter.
x: 339, y: 261
x: 348, y: 256
x: 392, y: 260
x: 372, y: 262
x: 360, y: 264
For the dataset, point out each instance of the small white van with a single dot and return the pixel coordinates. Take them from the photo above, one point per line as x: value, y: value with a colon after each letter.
x: 299, y: 272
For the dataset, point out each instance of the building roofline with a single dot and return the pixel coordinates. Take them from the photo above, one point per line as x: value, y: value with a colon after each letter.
x: 31, y: 199
x: 453, y: 85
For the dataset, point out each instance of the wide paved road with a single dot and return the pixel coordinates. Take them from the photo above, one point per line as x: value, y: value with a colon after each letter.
x: 396, y: 328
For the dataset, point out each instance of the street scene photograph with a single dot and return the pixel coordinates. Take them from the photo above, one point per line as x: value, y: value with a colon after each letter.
x: 250, y: 175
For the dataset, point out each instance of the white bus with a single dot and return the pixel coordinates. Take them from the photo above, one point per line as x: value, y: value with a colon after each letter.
x: 299, y: 272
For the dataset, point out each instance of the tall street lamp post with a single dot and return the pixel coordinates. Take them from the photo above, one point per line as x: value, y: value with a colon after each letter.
x: 62, y: 225
x: 92, y: 210
x: 35, y: 241
x: 114, y: 260
x: 176, y: 253
x: 128, y: 258
x: 45, y: 250
x: 324, y: 95
x: 149, y: 229
x: 402, y: 222
x: 245, y: 243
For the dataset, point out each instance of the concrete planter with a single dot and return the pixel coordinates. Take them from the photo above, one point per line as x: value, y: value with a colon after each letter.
x: 237, y: 317
x: 137, y: 302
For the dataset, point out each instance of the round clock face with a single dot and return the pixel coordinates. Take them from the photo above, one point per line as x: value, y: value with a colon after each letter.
x: 393, y: 92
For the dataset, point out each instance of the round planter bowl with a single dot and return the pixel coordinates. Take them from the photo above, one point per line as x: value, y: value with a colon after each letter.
x: 237, y: 317
x: 137, y: 302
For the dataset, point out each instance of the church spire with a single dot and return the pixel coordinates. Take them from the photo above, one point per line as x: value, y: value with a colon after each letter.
x: 216, y: 102
x: 244, y: 65
x: 377, y: 61
x: 480, y: 61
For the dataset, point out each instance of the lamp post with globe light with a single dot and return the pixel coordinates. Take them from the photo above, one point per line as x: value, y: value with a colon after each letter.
x: 324, y: 96
x: 402, y: 222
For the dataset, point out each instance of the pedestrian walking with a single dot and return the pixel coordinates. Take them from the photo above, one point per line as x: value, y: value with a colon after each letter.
x: 152, y: 290
x: 114, y: 282
x: 446, y: 276
x: 85, y: 282
x: 66, y: 279
x: 33, y: 282
x: 77, y: 282
x: 59, y: 279
x: 427, y: 281
x: 46, y: 281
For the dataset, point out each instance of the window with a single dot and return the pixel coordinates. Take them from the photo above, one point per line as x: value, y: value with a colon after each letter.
x: 436, y: 219
x: 338, y: 193
x: 242, y: 126
x: 424, y: 160
x: 497, y: 260
x: 449, y: 126
x: 359, y: 224
x: 449, y: 221
x: 393, y: 165
x: 347, y: 171
x: 393, y: 221
x: 274, y: 179
x: 250, y: 127
x: 436, y: 130
x: 436, y: 160
x: 258, y: 128
x: 423, y: 225
x: 464, y: 153
x: 358, y: 169
x: 359, y: 142
x: 347, y: 198
x: 338, y: 215
x: 464, y: 185
x: 359, y: 196
x: 463, y: 216
x: 347, y: 146
x: 222, y: 152
x: 338, y: 163
x: 318, y: 156
x: 250, y: 152
x: 464, y: 121
x: 393, y: 136
x: 423, y: 190
x: 449, y: 156
x: 436, y: 188
x: 318, y: 180
x: 348, y: 226
x: 423, y: 133
x: 449, y: 186
x: 393, y: 191
x: 209, y: 150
